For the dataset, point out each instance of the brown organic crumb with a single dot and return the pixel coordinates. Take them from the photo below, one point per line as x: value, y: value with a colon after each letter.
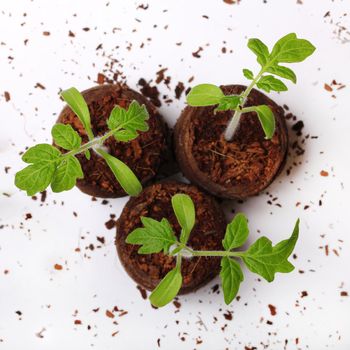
x: 228, y: 315
x: 196, y: 53
x: 28, y: 216
x: 43, y: 196
x: 179, y: 89
x: 40, y: 334
x: 142, y: 7
x: 160, y: 75
x: 326, y: 248
x: 304, y: 294
x: 40, y: 86
x: 177, y: 304
x: 46, y: 33
x: 71, y: 34
x: 272, y: 310
x: 101, y: 239
x: 7, y: 96
x: 77, y: 322
x: 324, y: 173
x: 344, y: 294
x: 150, y: 91
x: 58, y: 267
x: 109, y: 314
x: 328, y: 87
x: 110, y: 224
x: 101, y: 78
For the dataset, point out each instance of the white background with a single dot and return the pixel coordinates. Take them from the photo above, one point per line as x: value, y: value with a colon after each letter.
x: 50, y: 300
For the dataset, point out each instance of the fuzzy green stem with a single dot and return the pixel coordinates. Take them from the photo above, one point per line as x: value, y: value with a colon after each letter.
x: 94, y: 142
x: 234, y: 122
x: 211, y: 252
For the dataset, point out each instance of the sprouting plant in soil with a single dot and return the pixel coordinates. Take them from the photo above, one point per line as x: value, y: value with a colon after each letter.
x: 288, y: 49
x: 59, y: 166
x: 261, y: 257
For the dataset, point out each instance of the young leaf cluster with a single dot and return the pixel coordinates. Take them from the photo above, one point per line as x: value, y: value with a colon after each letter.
x: 261, y: 257
x: 49, y: 165
x: 288, y: 49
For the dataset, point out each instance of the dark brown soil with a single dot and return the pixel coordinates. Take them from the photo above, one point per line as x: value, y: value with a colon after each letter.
x: 238, y: 168
x: 143, y: 155
x: 207, y: 234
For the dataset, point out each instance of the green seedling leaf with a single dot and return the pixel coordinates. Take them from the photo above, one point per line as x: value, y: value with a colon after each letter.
x: 124, y: 175
x: 154, y: 237
x: 269, y: 82
x: 66, y: 174
x: 283, y: 72
x: 40, y: 153
x: 228, y: 103
x: 267, y: 120
x: 127, y: 123
x: 36, y: 177
x: 87, y: 154
x: 185, y: 213
x: 236, y: 232
x: 66, y: 137
x: 290, y: 49
x: 248, y: 74
x: 76, y: 102
x: 125, y: 135
x: 231, y: 277
x: 167, y: 289
x: 264, y: 259
x: 204, y: 95
x: 260, y: 49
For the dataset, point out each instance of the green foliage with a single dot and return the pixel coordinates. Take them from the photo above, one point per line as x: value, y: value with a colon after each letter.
x: 66, y: 174
x: 205, y: 95
x: 49, y: 166
x: 127, y: 123
x: 267, y: 120
x: 228, y: 103
x: 231, y: 277
x: 154, y: 237
x: 260, y: 49
x: 248, y: 74
x: 66, y: 137
x: 78, y: 105
x: 283, y: 72
x: 261, y: 257
x: 185, y: 213
x: 236, y: 232
x: 288, y: 49
x: 269, y: 82
x: 124, y: 175
x: 264, y: 259
x: 44, y: 159
x: 167, y: 289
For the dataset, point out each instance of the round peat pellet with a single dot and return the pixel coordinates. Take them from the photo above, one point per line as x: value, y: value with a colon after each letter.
x: 143, y: 155
x: 241, y: 167
x: 207, y: 234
